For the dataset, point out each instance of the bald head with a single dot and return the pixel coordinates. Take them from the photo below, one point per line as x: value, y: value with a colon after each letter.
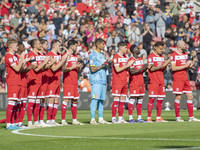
x: 181, y: 45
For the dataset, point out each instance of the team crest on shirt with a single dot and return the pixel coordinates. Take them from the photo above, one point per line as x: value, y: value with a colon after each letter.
x: 51, y: 91
x: 149, y: 59
x: 33, y: 93
x: 69, y: 93
x: 14, y: 95
x: 152, y: 92
x: 115, y: 60
x: 116, y: 91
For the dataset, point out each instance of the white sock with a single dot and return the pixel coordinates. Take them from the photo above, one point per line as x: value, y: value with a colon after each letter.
x: 113, y: 118
x: 120, y: 118
x: 178, y: 117
x: 8, y: 124
x: 74, y: 120
x: 63, y: 121
x: 148, y: 117
x: 158, y: 117
x: 41, y: 121
x: 92, y: 119
x: 52, y: 121
x: 100, y: 118
x: 130, y: 117
x: 29, y: 122
x: 191, y: 117
x: 36, y: 122
x: 139, y: 117
x: 48, y: 121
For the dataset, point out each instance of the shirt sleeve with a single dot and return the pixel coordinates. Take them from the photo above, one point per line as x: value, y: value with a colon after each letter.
x: 115, y: 61
x: 172, y: 58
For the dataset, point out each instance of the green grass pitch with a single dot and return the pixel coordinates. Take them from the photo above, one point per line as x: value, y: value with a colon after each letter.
x: 165, y: 136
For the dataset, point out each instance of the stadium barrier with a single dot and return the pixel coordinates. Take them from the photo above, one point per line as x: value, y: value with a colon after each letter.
x: 85, y: 99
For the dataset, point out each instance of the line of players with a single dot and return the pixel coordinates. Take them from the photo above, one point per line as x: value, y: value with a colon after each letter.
x: 156, y: 64
x: 36, y: 76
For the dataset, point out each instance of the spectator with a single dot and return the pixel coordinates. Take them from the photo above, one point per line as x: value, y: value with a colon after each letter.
x: 22, y: 28
x: 147, y: 34
x: 32, y: 9
x: 136, y: 34
x: 42, y: 28
x: 41, y: 17
x: 192, y: 14
x: 130, y: 6
x: 111, y: 7
x: 143, y: 52
x: 120, y: 32
x: 122, y: 7
x: 193, y: 70
x: 150, y: 19
x: 196, y: 20
x: 137, y: 19
x: 15, y: 21
x: 32, y: 36
x: 86, y: 70
x: 175, y: 7
x: 169, y: 15
x: 188, y: 4
x: 169, y: 87
x: 160, y: 19
x: 112, y: 41
x: 2, y: 69
x: 32, y: 27
x: 57, y: 22
x: 85, y: 85
x: 118, y: 15
x: 90, y: 33
x: 50, y: 36
x: 5, y: 6
x: 51, y: 26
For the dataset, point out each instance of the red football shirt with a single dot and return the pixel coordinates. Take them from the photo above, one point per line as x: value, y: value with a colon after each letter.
x: 179, y: 60
x: 35, y: 77
x: 71, y: 77
x: 156, y: 77
x: 55, y: 76
x: 12, y: 77
x: 137, y: 78
x: 120, y: 77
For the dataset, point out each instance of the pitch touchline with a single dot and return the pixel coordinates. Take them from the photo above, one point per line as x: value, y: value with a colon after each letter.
x: 111, y: 138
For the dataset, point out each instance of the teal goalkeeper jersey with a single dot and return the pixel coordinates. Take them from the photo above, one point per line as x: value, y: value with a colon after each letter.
x: 97, y: 59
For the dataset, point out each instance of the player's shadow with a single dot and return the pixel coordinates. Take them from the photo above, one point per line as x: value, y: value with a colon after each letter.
x: 174, y: 147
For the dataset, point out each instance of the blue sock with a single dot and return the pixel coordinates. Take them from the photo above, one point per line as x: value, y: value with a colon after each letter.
x: 100, y: 108
x: 93, y: 107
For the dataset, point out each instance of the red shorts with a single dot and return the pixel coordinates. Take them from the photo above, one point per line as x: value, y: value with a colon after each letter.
x: 33, y: 90
x: 70, y: 91
x: 13, y: 92
x: 156, y: 90
x: 119, y: 90
x: 136, y: 90
x: 43, y: 91
x: 180, y: 87
x: 53, y: 91
x: 23, y: 93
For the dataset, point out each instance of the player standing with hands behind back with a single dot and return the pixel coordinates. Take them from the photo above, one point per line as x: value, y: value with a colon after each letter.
x: 98, y: 81
x: 119, y: 81
x: 156, y: 66
x: 180, y: 80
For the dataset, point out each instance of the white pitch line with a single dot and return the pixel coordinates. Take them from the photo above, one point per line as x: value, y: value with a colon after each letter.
x: 109, y: 138
x: 182, y: 148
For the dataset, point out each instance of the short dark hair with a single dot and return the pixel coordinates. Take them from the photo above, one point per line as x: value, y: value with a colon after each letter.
x: 71, y: 42
x: 42, y: 41
x: 98, y: 41
x: 121, y: 44
x: 132, y: 48
x: 33, y: 42
x: 54, y: 42
x: 159, y: 43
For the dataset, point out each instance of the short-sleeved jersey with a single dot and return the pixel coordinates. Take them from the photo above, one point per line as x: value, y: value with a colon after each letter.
x: 71, y: 77
x: 179, y: 60
x: 120, y: 77
x: 198, y: 70
x: 33, y: 76
x: 12, y: 77
x: 55, y: 75
x: 97, y: 59
x: 155, y: 77
x: 136, y: 78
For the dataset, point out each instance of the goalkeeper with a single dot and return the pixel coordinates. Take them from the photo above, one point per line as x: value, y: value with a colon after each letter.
x: 98, y: 66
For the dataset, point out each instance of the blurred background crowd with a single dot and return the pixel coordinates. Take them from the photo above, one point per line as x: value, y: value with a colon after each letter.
x: 139, y: 22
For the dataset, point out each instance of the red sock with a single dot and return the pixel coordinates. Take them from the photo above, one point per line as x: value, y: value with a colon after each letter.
x: 41, y: 111
x: 139, y: 107
x: 177, y: 107
x: 17, y: 110
x: 121, y: 108
x: 9, y: 111
x: 74, y: 109
x: 30, y: 109
x: 150, y: 106
x: 63, y: 109
x: 36, y: 110
x: 55, y: 109
x: 49, y: 111
x: 159, y: 106
x: 114, y: 108
x: 22, y: 111
x: 190, y: 107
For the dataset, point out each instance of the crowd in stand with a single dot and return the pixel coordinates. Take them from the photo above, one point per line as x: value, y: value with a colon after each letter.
x: 134, y: 21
